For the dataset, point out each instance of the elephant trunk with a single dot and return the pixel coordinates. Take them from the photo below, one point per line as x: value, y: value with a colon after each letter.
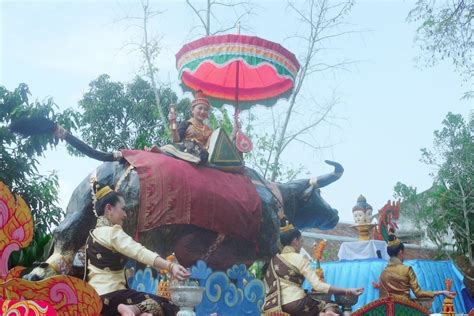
x: 329, y: 178
x: 88, y: 150
x: 40, y: 125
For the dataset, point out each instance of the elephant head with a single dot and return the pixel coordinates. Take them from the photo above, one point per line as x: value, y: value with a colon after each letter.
x: 303, y: 204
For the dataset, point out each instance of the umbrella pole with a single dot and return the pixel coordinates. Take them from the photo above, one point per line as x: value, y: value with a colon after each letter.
x: 242, y: 142
x: 237, y: 108
x: 237, y: 80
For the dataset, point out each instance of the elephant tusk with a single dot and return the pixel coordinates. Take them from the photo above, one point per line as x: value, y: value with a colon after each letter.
x: 329, y: 178
x: 307, y: 193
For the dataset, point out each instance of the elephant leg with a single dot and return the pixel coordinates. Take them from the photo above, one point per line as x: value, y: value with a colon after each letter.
x: 218, y: 252
x: 212, y: 249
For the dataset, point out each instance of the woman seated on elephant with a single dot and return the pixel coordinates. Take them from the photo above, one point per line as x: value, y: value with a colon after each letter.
x: 191, y: 137
x: 107, y: 250
x: 194, y: 128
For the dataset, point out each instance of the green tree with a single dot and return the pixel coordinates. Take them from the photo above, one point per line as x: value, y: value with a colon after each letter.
x: 422, y: 209
x: 446, y: 31
x: 19, y: 156
x: 116, y: 115
x: 19, y: 166
x: 448, y: 207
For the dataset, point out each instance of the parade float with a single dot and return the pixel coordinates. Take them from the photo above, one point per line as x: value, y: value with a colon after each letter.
x: 362, y: 261
x: 57, y: 295
x: 214, y: 221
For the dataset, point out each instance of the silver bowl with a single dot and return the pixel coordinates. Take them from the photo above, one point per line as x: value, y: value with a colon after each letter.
x: 346, y: 300
x: 321, y: 296
x: 186, y: 297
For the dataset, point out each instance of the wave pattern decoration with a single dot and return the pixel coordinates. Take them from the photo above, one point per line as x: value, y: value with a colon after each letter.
x: 232, y: 293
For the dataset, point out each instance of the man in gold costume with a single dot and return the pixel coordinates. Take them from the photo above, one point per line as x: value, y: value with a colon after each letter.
x: 284, y: 279
x: 398, y: 279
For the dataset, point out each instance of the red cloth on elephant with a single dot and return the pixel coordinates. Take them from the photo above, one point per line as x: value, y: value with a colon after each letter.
x: 174, y: 191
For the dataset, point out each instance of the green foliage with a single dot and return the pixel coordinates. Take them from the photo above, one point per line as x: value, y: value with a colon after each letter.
x: 448, y: 207
x: 220, y: 118
x: 257, y: 269
x: 423, y: 210
x: 117, y: 115
x: 446, y: 31
x: 18, y: 156
x: 37, y: 250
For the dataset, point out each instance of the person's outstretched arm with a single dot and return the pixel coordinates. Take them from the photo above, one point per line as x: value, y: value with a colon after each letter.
x: 125, y: 244
x: 346, y: 291
x: 415, y: 287
x: 323, y: 287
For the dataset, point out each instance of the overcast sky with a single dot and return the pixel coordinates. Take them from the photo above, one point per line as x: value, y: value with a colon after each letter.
x: 388, y: 106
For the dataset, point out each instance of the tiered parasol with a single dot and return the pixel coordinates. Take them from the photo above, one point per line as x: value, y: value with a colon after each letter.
x: 239, y: 70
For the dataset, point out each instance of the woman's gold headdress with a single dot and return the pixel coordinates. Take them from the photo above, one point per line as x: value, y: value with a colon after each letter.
x: 103, y: 192
x: 200, y: 98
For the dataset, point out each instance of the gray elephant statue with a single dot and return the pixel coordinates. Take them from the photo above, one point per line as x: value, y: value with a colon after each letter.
x: 300, y: 201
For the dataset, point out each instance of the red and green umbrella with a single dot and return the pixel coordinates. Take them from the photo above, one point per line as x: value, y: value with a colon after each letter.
x: 239, y: 70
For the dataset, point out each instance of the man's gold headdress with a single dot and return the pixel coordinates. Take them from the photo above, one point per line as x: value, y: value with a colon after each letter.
x: 394, y: 243
x: 286, y: 227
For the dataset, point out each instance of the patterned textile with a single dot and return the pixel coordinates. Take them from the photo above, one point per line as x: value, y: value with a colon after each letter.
x: 199, y: 132
x: 173, y: 191
x: 107, y: 247
x: 308, y: 306
x: 102, y: 257
x: 193, y: 142
x: 188, y: 150
x: 281, y: 272
x: 110, y: 262
x: 145, y: 302
x: 278, y: 269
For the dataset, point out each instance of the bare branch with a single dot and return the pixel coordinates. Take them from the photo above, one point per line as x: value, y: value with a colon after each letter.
x: 149, y: 49
x: 230, y: 4
x: 313, y: 146
x: 223, y: 30
x: 318, y: 20
x: 197, y: 13
x: 290, y: 138
x: 340, y: 66
x: 323, y: 38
